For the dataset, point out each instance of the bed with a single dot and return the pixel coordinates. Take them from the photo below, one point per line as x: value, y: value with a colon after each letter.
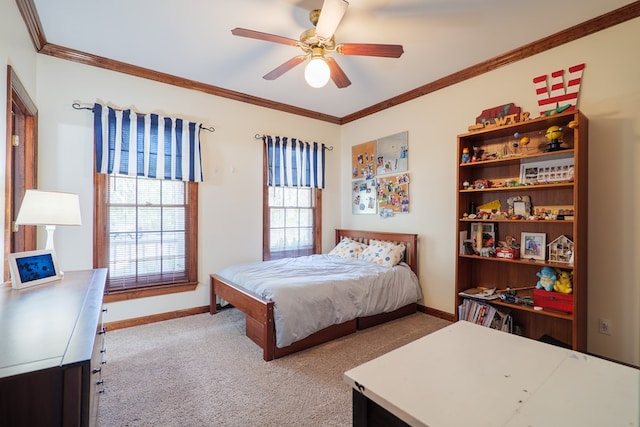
x: 262, y: 317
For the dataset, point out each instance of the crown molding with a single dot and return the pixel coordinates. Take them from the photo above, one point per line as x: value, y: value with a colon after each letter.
x: 29, y: 14
x: 31, y: 19
x: 586, y: 28
x: 66, y: 53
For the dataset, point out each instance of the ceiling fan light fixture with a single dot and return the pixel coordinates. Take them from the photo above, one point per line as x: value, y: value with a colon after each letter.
x: 316, y: 42
x: 317, y: 72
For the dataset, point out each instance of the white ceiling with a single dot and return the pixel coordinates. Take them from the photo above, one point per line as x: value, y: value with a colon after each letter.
x: 192, y: 39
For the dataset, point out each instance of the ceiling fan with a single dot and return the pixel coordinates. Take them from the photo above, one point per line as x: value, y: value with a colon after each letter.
x: 317, y: 42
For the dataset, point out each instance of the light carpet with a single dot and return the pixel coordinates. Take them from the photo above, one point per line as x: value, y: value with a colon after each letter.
x: 203, y: 371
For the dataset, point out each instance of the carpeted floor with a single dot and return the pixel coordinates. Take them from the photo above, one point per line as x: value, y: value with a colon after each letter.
x: 203, y: 371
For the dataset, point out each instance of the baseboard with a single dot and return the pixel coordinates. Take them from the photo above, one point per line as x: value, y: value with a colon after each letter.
x: 120, y: 324
x: 137, y: 321
x: 437, y: 313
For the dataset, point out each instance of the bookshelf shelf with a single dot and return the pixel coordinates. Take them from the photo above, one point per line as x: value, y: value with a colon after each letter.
x: 519, y: 221
x: 519, y: 188
x: 550, y: 313
x: 535, y: 263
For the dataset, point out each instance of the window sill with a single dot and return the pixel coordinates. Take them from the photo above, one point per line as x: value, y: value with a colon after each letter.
x: 129, y: 294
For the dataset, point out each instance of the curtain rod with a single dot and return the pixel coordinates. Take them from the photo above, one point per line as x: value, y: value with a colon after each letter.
x: 258, y: 136
x: 77, y: 106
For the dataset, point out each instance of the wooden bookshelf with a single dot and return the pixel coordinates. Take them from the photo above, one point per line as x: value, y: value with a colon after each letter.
x: 506, y: 166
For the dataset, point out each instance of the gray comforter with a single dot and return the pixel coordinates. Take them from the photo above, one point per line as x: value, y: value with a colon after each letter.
x: 316, y: 291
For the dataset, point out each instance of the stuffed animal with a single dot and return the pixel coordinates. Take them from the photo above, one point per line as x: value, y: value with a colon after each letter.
x: 547, y: 278
x: 563, y: 283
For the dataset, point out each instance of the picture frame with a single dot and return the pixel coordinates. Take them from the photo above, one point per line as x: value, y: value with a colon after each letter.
x: 547, y: 171
x: 533, y: 246
x: 519, y: 205
x: 33, y: 268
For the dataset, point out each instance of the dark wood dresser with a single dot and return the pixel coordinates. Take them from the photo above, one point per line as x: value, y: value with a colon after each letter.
x: 51, y: 351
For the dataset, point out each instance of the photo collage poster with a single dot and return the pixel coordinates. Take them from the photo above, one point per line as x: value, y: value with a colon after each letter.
x: 393, y: 193
x: 363, y: 196
x: 379, y: 174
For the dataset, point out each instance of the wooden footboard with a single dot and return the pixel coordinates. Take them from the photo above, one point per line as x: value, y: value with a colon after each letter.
x: 260, y: 326
x: 259, y: 312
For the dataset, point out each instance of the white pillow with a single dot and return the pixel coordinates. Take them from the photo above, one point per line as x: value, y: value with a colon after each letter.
x: 348, y: 249
x: 384, y: 253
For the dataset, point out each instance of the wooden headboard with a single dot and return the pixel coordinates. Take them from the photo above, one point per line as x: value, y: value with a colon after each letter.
x: 409, y: 240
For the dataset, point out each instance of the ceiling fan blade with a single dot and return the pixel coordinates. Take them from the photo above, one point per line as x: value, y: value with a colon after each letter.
x: 330, y: 16
x: 337, y: 75
x: 243, y: 32
x: 367, y: 49
x: 277, y: 72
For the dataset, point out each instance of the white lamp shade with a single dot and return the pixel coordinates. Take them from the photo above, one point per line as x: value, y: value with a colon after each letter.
x: 49, y: 208
x: 317, y: 72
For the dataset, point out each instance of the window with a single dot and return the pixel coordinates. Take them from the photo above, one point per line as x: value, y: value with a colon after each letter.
x: 149, y: 233
x: 292, y: 220
x: 146, y: 202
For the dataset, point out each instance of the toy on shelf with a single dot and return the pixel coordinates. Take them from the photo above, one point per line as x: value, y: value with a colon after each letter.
x: 509, y: 248
x: 561, y: 249
x: 466, y: 158
x: 553, y: 134
x: 510, y: 297
x: 547, y: 279
x: 515, y: 148
x: 563, y: 283
x: 524, y: 141
x: 477, y: 153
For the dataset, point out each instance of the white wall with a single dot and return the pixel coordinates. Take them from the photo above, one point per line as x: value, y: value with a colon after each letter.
x: 610, y: 97
x: 17, y: 51
x: 230, y: 199
x: 230, y: 202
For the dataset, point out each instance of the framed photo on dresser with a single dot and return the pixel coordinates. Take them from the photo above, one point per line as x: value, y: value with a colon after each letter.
x: 33, y: 268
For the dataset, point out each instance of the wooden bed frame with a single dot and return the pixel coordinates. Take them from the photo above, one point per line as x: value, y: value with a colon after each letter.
x: 260, y: 326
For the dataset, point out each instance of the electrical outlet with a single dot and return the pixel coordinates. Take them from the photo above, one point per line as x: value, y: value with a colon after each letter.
x: 604, y: 326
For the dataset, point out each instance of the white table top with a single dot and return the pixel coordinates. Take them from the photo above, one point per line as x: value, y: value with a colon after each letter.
x: 467, y: 374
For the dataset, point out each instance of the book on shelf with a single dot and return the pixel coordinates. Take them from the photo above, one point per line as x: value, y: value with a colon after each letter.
x: 481, y: 293
x: 485, y: 315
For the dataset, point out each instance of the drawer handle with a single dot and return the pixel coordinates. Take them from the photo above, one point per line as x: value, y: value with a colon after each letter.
x: 102, y: 331
x: 96, y: 370
x: 101, y: 391
x: 100, y: 382
x: 104, y: 350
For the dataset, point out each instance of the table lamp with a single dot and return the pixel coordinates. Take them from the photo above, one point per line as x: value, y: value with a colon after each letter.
x: 49, y: 208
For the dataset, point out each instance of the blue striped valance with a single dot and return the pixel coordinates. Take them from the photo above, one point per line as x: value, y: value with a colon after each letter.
x: 294, y: 163
x: 146, y: 145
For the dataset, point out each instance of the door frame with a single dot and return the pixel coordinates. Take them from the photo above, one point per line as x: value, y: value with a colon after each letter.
x: 18, y: 179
